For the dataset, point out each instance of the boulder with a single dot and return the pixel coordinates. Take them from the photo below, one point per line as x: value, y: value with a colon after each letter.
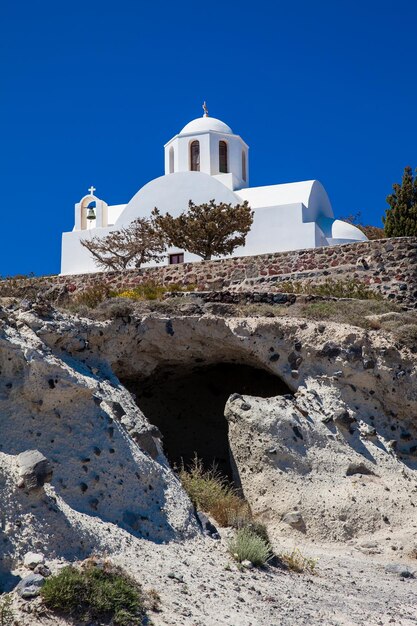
x: 29, y: 587
x: 32, y: 559
x: 34, y: 469
x: 399, y: 569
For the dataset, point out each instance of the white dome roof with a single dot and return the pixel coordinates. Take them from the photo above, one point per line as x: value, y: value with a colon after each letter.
x: 337, y: 231
x: 344, y: 230
x: 205, y: 124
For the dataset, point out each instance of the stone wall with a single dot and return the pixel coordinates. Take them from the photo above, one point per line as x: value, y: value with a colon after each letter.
x: 388, y: 266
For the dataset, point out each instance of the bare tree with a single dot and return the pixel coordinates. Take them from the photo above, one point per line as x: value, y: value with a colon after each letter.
x: 129, y: 247
x: 208, y: 229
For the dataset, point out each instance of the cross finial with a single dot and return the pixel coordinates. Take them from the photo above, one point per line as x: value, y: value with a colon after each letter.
x: 92, y: 190
x: 205, y: 109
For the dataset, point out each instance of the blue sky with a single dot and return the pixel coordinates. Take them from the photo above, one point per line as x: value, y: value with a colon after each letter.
x: 90, y: 92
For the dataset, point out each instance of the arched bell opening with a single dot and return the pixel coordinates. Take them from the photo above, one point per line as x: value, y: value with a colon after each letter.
x: 187, y: 404
x: 88, y: 210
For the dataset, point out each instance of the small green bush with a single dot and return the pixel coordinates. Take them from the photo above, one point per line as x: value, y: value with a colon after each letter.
x: 95, y: 593
x: 91, y: 297
x: 248, y: 546
x: 259, y: 529
x: 211, y: 492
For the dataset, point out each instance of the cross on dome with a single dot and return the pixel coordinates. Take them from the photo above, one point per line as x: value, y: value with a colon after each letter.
x: 205, y: 109
x: 92, y: 190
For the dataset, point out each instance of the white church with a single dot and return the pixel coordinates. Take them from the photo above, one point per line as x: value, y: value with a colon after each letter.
x: 206, y: 161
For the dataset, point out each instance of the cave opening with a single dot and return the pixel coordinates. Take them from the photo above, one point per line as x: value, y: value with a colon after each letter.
x: 187, y: 405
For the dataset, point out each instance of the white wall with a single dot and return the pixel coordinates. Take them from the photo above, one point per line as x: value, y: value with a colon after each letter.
x: 277, y: 229
x: 286, y: 217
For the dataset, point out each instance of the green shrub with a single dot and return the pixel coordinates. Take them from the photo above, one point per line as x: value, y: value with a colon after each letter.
x: 95, y: 593
x: 259, y: 529
x: 248, y: 546
x: 114, y: 308
x: 91, y: 297
x: 145, y: 291
x: 209, y: 491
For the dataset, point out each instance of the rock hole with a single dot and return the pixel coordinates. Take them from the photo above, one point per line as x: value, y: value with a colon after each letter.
x: 187, y: 405
x: 359, y: 468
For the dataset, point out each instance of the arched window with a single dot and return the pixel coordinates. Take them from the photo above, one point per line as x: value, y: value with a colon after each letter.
x: 171, y: 160
x: 243, y: 165
x: 222, y: 157
x: 195, y: 156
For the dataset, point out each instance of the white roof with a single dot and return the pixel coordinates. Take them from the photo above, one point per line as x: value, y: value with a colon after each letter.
x: 310, y: 193
x: 338, y: 229
x: 205, y: 124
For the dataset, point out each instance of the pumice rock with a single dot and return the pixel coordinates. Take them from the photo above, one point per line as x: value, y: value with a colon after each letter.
x: 290, y: 451
x: 34, y: 469
x: 33, y: 559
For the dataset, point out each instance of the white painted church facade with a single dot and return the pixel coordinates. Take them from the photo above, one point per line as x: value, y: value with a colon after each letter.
x: 206, y: 161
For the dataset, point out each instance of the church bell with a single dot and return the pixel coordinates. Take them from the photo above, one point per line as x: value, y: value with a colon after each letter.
x: 91, y: 214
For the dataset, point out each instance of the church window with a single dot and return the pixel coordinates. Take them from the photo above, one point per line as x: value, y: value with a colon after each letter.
x: 195, y: 156
x: 243, y: 165
x: 222, y: 157
x: 171, y: 160
x: 175, y: 259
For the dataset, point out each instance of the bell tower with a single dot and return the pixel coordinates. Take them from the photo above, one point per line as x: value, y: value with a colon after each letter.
x: 90, y: 212
x: 208, y: 145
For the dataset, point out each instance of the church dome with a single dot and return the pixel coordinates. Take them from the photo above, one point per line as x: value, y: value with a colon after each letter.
x: 344, y: 230
x: 205, y: 124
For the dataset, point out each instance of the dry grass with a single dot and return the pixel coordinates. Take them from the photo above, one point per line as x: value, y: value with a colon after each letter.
x: 403, y: 326
x: 354, y: 312
x: 90, y: 298
x: 6, y: 614
x: 152, y: 291
x: 210, y: 492
x: 100, y: 294
x: 296, y: 561
x: 342, y: 288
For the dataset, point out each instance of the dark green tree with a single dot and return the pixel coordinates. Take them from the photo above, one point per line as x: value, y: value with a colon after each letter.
x: 207, y: 229
x: 401, y: 218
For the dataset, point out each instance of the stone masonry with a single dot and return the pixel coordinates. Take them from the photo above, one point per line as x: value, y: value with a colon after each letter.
x: 388, y: 266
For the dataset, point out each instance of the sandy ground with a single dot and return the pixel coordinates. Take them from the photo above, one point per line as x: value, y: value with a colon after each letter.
x: 200, y: 586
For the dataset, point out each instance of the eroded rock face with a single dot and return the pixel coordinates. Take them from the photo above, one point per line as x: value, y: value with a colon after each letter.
x: 319, y: 479
x: 354, y: 405
x: 107, y: 460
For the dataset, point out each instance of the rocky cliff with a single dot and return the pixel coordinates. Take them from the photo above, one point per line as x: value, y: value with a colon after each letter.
x: 88, y: 415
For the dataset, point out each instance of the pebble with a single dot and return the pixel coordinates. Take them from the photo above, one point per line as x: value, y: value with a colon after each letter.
x: 403, y: 571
